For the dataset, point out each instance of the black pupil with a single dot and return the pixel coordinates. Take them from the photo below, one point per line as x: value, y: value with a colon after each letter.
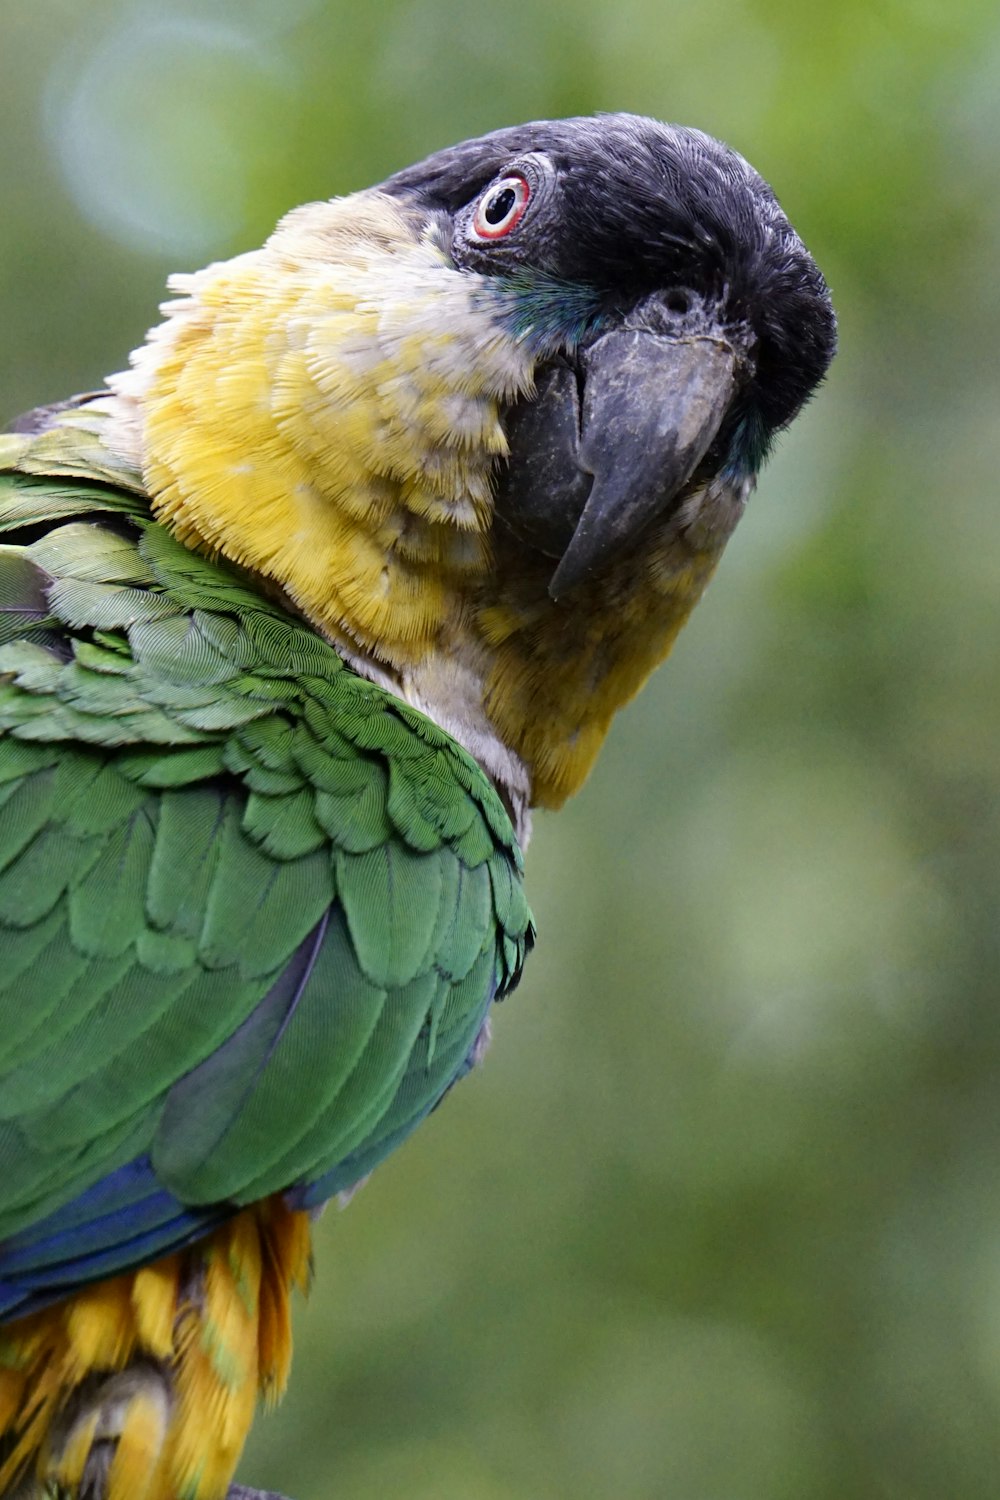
x: 499, y: 207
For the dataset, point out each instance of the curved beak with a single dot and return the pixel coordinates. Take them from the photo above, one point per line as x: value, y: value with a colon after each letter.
x: 590, y: 468
x: 651, y: 407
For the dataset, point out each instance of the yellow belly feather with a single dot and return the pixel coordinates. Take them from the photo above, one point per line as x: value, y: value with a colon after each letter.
x: 166, y: 1363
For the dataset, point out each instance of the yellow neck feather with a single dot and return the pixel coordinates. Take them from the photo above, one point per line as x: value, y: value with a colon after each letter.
x: 319, y: 411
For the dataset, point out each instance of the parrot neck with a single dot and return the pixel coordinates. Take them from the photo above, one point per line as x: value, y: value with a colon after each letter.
x: 326, y: 412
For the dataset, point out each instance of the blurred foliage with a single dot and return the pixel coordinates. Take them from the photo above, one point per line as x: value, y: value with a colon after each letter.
x: 720, y: 1219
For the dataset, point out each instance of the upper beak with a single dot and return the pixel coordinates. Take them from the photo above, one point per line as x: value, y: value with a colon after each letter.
x: 602, y: 466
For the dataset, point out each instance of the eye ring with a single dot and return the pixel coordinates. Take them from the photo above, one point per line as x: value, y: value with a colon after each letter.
x: 501, y: 208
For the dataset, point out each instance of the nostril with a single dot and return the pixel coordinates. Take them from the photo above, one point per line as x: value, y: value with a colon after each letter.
x: 678, y: 301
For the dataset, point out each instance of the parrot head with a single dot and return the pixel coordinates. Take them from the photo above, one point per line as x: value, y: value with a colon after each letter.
x: 678, y: 320
x: 490, y: 424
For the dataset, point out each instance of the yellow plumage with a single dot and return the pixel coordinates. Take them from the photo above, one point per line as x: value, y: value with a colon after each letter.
x: 213, y: 1320
x: 303, y: 418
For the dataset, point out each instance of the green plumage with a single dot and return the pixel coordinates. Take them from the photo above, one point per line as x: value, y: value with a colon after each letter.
x: 204, y: 813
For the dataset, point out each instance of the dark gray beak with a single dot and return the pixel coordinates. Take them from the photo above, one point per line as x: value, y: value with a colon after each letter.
x: 589, y: 470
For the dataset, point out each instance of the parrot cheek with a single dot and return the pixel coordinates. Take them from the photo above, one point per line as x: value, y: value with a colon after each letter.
x: 542, y: 489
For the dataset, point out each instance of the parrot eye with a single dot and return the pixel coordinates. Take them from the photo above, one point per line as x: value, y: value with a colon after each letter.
x: 502, y: 208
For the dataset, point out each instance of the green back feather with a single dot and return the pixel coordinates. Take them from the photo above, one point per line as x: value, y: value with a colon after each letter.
x: 203, y: 812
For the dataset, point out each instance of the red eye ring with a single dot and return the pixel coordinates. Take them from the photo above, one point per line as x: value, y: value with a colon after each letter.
x: 501, y: 208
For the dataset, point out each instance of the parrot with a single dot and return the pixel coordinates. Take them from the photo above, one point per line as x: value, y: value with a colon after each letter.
x: 302, y: 616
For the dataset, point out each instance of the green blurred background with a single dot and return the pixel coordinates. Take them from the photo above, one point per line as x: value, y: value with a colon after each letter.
x: 720, y: 1220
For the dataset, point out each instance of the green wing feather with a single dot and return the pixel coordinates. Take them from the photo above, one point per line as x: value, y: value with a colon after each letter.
x: 202, y: 807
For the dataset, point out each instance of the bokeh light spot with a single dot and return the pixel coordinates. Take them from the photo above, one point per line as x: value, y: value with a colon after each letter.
x: 150, y: 129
